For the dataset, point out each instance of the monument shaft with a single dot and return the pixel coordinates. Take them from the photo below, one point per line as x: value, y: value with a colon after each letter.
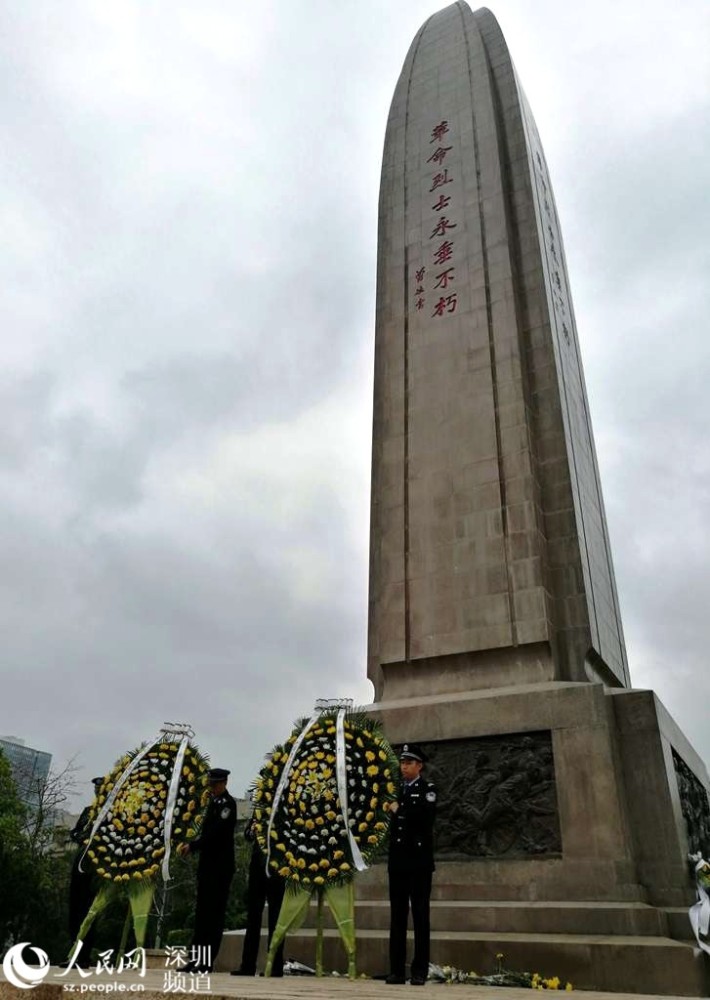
x: 492, y: 596
x: 490, y: 562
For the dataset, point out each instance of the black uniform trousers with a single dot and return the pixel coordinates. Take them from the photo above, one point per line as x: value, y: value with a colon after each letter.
x: 210, y: 909
x: 81, y: 896
x: 409, y: 888
x: 263, y: 889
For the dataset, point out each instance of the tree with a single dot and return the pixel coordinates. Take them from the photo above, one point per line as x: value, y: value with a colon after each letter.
x: 15, y: 858
x: 35, y: 860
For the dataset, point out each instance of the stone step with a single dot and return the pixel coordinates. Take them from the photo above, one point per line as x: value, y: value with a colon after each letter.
x: 623, y: 918
x: 678, y: 923
x: 516, y: 879
x: 617, y: 963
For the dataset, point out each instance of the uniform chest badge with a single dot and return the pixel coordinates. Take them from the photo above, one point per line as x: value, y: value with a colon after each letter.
x: 224, y: 813
x: 431, y: 796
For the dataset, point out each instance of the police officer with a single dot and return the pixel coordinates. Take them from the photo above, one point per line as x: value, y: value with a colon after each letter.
x: 263, y: 888
x: 410, y: 866
x: 215, y: 871
x: 81, y: 884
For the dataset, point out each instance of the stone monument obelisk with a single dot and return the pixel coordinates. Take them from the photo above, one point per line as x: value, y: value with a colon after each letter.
x: 495, y: 635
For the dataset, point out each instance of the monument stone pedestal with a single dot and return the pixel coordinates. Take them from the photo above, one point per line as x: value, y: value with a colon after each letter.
x: 595, y: 891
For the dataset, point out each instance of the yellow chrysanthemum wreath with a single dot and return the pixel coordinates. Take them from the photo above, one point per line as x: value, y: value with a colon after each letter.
x: 129, y: 843
x: 308, y: 839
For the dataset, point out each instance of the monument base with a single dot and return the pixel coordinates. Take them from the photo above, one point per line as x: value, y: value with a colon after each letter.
x: 566, y: 814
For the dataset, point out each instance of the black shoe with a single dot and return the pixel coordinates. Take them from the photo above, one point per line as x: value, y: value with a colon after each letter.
x: 417, y: 981
x: 393, y: 980
x: 242, y: 972
x: 190, y: 967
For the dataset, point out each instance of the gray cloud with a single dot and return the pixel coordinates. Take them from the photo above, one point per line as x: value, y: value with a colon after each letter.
x: 187, y: 249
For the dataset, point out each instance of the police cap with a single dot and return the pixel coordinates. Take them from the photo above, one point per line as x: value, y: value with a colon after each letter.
x: 217, y: 774
x: 97, y: 781
x: 412, y: 751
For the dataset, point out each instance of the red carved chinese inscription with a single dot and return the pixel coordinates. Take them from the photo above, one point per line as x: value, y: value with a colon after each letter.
x: 439, y: 179
x: 439, y: 131
x: 443, y: 279
x: 447, y: 304
x: 440, y: 228
x: 444, y: 252
x: 441, y: 204
x: 438, y: 155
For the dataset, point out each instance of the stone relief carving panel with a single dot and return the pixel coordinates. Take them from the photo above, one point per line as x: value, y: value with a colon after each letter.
x: 496, y: 797
x: 695, y: 806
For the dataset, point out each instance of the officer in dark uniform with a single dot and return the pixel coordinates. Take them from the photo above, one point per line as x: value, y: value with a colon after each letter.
x: 262, y: 888
x: 410, y: 866
x: 81, y: 884
x: 215, y: 871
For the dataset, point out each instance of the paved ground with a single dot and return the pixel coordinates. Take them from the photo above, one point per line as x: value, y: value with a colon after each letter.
x: 289, y: 988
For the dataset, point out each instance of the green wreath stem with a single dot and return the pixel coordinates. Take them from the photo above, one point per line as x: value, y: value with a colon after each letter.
x: 291, y: 916
x: 341, y: 900
x: 319, y: 933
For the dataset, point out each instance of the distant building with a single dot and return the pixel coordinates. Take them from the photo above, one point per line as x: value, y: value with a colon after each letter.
x: 30, y: 768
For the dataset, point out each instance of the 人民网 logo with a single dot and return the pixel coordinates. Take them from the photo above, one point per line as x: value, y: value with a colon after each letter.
x: 19, y: 973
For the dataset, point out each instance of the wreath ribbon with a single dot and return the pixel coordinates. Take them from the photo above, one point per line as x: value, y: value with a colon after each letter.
x: 282, y: 784
x: 342, y: 777
x: 699, y: 912
x: 170, y: 805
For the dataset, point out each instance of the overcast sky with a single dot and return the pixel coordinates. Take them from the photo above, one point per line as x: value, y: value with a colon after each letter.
x: 187, y: 257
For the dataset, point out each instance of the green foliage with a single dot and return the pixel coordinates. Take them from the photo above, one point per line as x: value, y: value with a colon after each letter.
x: 35, y: 865
x: 15, y: 857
